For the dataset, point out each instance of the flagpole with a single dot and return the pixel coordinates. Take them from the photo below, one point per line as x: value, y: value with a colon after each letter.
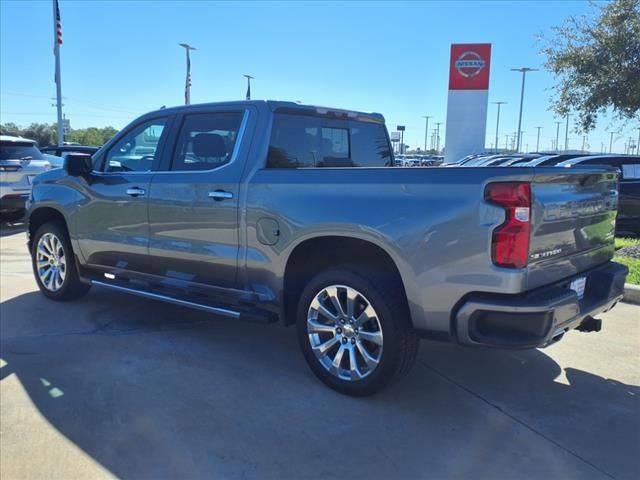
x: 56, y: 52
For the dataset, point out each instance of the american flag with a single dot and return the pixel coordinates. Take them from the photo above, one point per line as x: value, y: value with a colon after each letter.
x: 58, y: 39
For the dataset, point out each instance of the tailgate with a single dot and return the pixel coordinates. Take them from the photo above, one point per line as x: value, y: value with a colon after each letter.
x: 573, y: 222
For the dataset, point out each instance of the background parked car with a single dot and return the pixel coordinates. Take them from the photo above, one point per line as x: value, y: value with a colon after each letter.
x: 20, y: 162
x: 551, y: 160
x: 628, y: 219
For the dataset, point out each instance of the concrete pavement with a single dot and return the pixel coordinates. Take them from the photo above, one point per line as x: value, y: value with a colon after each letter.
x: 121, y: 386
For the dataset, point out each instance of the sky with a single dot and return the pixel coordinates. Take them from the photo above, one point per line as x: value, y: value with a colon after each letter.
x: 121, y: 59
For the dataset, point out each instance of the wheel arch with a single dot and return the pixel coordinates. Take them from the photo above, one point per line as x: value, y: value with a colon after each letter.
x: 41, y: 215
x: 313, y: 254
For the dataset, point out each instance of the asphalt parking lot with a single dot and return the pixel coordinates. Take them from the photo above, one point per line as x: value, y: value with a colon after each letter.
x: 120, y: 386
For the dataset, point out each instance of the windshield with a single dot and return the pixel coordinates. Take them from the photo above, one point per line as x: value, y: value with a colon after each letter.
x: 25, y: 151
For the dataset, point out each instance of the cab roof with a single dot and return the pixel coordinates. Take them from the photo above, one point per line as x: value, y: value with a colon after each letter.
x: 284, y: 107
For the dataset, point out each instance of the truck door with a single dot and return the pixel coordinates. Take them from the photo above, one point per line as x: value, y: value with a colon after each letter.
x: 193, y: 203
x: 113, y: 225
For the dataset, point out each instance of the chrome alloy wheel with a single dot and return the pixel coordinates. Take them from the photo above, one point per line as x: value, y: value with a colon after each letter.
x: 344, y: 332
x: 51, y: 262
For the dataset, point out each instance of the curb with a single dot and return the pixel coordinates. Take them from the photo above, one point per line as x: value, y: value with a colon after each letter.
x: 631, y: 293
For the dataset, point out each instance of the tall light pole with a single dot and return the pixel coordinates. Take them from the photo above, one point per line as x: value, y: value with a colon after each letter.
x: 187, y: 86
x: 538, y: 141
x: 438, y: 137
x: 249, y: 78
x: 557, y: 136
x: 426, y: 129
x: 566, y: 134
x: 498, y: 121
x: 610, y: 142
x: 638, y: 142
x: 524, y: 71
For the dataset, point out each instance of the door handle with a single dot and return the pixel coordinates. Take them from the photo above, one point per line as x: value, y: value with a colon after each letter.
x: 135, y: 192
x: 219, y: 195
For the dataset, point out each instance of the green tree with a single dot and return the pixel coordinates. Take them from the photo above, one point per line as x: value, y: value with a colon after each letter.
x: 46, y: 134
x: 91, y: 135
x: 9, y: 129
x: 596, y: 59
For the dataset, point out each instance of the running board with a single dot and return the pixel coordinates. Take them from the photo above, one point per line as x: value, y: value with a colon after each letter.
x: 254, y: 315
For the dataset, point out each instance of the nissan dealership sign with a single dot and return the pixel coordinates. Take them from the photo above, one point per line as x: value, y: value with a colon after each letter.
x: 468, y: 99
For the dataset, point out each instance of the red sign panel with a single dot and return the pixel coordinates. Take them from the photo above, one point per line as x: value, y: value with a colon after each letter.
x: 469, y: 66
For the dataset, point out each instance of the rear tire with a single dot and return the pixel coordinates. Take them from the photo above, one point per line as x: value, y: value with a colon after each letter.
x: 54, y: 264
x: 378, y: 343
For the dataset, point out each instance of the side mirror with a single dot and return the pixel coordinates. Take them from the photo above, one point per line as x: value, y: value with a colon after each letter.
x: 78, y: 164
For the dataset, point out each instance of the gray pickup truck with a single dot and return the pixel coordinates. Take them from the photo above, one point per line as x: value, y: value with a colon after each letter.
x: 274, y: 211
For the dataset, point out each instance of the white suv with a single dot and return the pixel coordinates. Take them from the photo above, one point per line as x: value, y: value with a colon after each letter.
x: 20, y: 161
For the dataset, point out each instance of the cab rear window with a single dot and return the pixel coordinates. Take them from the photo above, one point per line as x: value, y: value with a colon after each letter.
x: 299, y: 141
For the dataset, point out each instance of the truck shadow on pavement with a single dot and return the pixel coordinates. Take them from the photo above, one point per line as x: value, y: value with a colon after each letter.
x: 150, y: 390
x: 7, y: 229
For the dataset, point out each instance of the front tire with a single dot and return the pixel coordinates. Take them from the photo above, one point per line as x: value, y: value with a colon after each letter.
x: 54, y: 265
x: 354, y: 329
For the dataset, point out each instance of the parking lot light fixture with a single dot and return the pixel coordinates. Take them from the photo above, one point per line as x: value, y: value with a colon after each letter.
x: 426, y: 129
x: 498, y: 121
x: 611, y: 142
x: 249, y: 78
x: 566, y: 134
x: 187, y: 87
x: 538, y: 141
x: 524, y: 71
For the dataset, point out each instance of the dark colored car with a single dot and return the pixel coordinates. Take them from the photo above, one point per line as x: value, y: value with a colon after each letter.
x: 628, y: 219
x: 551, y: 160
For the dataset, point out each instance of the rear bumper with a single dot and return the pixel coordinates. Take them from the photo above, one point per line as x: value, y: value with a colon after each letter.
x: 540, y: 317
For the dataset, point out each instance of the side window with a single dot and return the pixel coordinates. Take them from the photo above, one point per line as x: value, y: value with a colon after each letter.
x: 206, y: 141
x: 370, y: 145
x: 299, y: 141
x: 295, y: 142
x: 136, y: 151
x: 631, y: 171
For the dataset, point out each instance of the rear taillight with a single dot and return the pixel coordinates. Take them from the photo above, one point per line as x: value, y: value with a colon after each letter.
x: 510, y: 242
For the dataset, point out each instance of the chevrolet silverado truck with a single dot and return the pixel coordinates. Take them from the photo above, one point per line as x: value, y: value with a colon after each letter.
x: 279, y: 212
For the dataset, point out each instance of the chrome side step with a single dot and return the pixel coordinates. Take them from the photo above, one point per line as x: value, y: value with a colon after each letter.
x: 164, y: 298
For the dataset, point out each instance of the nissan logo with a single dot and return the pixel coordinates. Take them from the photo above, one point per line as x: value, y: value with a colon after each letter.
x: 469, y: 64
